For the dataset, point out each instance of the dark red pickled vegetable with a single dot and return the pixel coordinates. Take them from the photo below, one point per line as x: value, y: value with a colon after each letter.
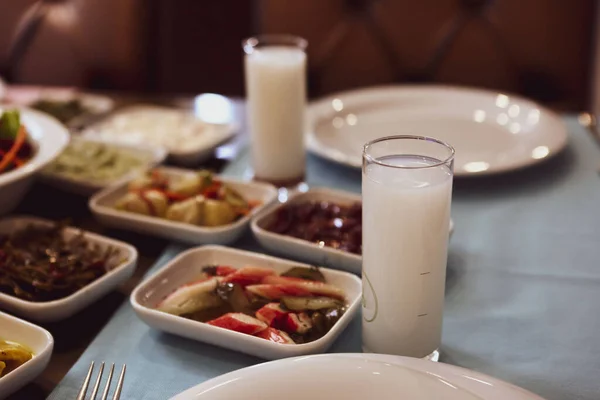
x: 337, y: 226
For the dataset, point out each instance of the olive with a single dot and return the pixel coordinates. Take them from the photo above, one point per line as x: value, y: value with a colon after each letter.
x: 318, y: 321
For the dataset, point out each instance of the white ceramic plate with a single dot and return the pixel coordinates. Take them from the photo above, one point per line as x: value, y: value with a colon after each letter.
x: 133, y: 134
x: 56, y: 310
x: 355, y: 377
x: 37, y: 339
x: 49, y: 138
x: 102, y: 205
x: 188, y: 266
x: 303, y: 249
x: 86, y: 187
x: 491, y: 132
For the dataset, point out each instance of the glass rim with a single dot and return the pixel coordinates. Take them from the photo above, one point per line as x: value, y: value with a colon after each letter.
x: 271, y: 39
x: 372, y: 159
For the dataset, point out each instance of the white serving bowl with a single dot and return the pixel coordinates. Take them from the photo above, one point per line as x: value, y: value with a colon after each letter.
x: 55, y: 310
x: 188, y: 265
x: 302, y: 249
x: 102, y: 205
x: 37, y: 339
x: 49, y: 137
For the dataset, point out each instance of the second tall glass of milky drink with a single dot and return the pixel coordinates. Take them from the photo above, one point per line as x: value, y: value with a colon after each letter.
x: 275, y: 68
x: 406, y: 194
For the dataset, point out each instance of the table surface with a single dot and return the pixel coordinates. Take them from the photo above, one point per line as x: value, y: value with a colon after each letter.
x: 522, y: 290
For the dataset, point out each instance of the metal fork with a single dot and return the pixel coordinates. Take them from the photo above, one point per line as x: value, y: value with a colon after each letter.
x: 86, y: 382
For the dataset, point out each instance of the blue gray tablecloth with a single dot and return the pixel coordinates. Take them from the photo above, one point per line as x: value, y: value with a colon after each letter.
x: 522, y: 292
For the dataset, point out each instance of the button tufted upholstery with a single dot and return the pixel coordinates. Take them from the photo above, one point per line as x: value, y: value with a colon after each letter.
x: 540, y: 48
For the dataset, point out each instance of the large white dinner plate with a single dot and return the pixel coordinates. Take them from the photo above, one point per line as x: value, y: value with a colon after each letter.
x: 491, y: 132
x: 37, y: 339
x: 355, y: 377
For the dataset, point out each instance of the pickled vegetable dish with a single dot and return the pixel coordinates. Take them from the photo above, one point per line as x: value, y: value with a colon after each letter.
x: 38, y: 263
x: 12, y: 356
x: 325, y: 223
x: 15, y: 150
x: 296, y: 307
x: 198, y: 199
x: 63, y: 110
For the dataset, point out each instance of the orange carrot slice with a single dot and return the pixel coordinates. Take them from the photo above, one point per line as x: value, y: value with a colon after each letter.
x: 12, y: 153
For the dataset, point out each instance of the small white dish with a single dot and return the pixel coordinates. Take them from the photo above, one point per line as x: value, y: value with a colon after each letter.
x: 491, y: 132
x: 302, y: 249
x: 84, y: 187
x: 188, y: 265
x: 355, y: 377
x: 102, y: 205
x: 37, y: 339
x: 27, y: 95
x: 133, y: 124
x: 49, y: 138
x: 55, y: 310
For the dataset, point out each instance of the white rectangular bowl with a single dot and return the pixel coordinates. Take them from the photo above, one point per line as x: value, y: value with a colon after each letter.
x: 102, y: 205
x: 55, y: 310
x: 188, y: 266
x: 302, y: 249
x: 189, y: 157
x: 86, y: 187
x: 37, y: 339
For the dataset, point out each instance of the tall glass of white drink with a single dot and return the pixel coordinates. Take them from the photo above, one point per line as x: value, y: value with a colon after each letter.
x: 406, y: 194
x: 275, y: 68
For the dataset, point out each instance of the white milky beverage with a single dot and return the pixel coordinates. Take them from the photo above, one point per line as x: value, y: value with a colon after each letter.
x: 406, y: 217
x: 276, y: 91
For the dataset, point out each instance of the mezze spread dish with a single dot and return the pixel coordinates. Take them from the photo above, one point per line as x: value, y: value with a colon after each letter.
x: 15, y: 149
x: 296, y: 307
x: 322, y: 222
x: 198, y: 199
x: 12, y: 356
x: 39, y: 263
x: 176, y: 130
x: 98, y: 162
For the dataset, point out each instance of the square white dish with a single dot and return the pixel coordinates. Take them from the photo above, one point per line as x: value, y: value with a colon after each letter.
x: 188, y: 265
x: 33, y: 337
x: 102, y: 205
x: 302, y: 249
x: 84, y: 187
x: 132, y: 134
x: 55, y: 310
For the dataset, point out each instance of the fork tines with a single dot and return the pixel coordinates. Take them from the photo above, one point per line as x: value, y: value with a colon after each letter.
x: 86, y: 382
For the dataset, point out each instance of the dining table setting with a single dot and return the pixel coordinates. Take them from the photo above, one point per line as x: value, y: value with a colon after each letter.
x: 416, y: 241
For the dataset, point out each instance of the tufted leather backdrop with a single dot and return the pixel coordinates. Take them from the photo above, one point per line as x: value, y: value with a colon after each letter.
x: 540, y: 48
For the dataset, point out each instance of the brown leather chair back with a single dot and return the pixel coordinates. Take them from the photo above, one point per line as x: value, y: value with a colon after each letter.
x: 540, y: 48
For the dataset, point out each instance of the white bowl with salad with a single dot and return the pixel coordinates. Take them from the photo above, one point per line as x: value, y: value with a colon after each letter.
x: 29, y: 140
